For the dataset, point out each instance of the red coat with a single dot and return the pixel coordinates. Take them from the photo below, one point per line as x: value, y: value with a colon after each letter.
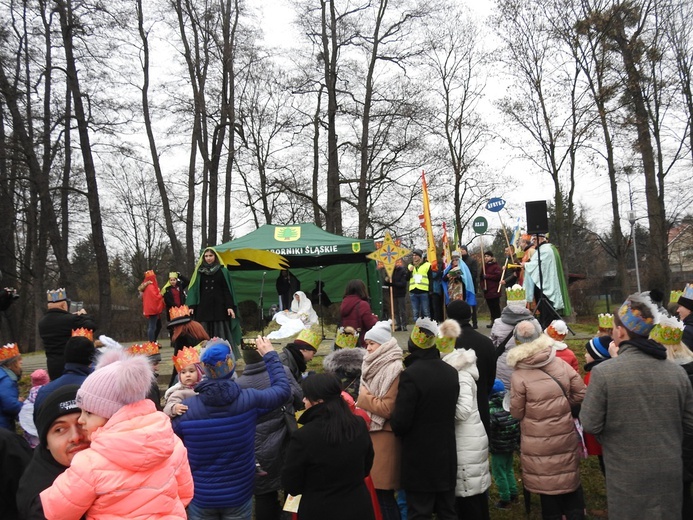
x: 591, y: 442
x: 569, y: 357
x: 492, y: 278
x: 152, y: 300
x: 357, y: 313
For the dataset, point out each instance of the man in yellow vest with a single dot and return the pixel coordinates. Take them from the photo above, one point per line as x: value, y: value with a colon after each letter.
x: 419, y: 285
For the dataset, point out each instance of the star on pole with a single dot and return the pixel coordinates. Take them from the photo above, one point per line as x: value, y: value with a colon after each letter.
x: 388, y: 254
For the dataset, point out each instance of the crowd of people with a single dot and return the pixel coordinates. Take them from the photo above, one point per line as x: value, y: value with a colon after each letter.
x: 388, y: 431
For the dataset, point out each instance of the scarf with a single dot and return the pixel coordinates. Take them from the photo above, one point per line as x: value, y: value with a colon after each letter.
x: 298, y: 357
x: 649, y: 347
x: 209, y: 268
x: 379, y: 370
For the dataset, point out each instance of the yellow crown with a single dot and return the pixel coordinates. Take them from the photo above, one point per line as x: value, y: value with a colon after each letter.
x: 150, y: 348
x: 178, y: 312
x: 9, y: 351
x: 675, y: 295
x: 666, y: 335
x: 345, y: 339
x: 516, y: 293
x: 445, y: 344
x: 312, y: 339
x: 606, y: 321
x: 85, y: 333
x: 186, y: 356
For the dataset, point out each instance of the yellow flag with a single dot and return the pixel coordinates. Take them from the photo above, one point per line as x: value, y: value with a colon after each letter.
x: 432, y: 255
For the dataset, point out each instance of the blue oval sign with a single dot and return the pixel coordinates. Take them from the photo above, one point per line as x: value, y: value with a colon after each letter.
x: 495, y: 204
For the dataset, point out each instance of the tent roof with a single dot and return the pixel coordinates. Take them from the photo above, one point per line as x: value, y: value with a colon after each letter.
x: 304, y: 245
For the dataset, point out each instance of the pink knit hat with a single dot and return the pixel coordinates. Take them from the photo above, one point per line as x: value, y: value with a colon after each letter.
x: 39, y: 377
x: 119, y: 379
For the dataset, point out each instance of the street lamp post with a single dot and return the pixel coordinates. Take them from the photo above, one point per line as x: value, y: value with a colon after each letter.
x: 631, y: 219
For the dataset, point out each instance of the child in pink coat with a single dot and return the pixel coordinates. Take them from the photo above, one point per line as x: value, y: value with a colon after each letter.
x: 136, y: 466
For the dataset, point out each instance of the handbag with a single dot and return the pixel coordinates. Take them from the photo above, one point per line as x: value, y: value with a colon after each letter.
x: 575, y: 412
x: 289, y: 420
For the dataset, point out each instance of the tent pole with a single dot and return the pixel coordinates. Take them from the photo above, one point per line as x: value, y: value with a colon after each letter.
x: 322, y: 317
x: 260, y: 312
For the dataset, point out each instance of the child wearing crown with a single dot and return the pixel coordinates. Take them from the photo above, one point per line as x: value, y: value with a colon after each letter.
x: 187, y: 364
x: 10, y: 374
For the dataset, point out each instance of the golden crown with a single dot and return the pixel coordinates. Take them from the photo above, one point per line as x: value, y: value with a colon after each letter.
x: 516, y: 293
x: 445, y: 344
x: 178, y: 312
x: 345, y: 339
x: 186, y: 356
x: 85, y: 333
x: 311, y: 338
x: 150, y: 348
x: 9, y: 351
x: 667, y: 335
x: 422, y: 338
x: 606, y: 321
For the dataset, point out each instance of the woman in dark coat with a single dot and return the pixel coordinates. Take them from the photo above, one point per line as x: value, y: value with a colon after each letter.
x: 329, y: 458
x: 355, y: 310
x: 211, y: 301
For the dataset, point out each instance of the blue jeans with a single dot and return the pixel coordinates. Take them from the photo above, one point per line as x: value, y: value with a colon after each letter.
x: 153, y: 327
x: 419, y: 305
x: 242, y: 512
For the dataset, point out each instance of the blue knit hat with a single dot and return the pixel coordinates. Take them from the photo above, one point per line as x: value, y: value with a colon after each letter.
x: 217, y: 359
x: 498, y: 386
x: 598, y: 347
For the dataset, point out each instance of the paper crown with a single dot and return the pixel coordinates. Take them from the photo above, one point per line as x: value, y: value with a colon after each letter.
x: 557, y: 331
x: 674, y: 296
x: 56, y: 295
x: 346, y: 339
x: 424, y: 333
x: 9, y: 351
x: 688, y: 291
x: 85, y: 333
x: 173, y: 275
x: 448, y: 332
x: 669, y: 331
x: 606, y: 321
x: 634, y: 321
x: 178, y: 313
x: 309, y: 338
x: 516, y: 293
x: 151, y: 348
x: 186, y: 356
x: 217, y: 359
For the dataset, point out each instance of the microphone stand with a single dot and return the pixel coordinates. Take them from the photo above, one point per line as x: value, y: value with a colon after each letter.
x: 261, y: 314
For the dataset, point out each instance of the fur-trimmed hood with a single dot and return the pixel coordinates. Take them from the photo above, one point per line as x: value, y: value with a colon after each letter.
x: 348, y: 361
x: 463, y: 360
x: 532, y: 355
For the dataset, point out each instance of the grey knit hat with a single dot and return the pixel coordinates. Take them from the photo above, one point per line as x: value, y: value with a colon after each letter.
x: 380, y: 333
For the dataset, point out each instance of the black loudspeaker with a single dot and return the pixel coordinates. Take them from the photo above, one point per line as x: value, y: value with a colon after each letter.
x: 537, y: 217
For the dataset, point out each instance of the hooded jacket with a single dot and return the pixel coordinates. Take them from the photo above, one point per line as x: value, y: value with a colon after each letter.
x: 549, y: 441
x: 219, y: 431
x: 10, y: 405
x: 357, y: 313
x: 135, y: 468
x: 511, y: 315
x: 473, y: 477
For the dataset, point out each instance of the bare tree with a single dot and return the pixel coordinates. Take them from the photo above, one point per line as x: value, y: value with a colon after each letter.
x: 547, y: 101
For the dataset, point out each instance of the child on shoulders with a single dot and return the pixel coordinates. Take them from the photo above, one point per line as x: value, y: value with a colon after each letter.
x: 187, y: 363
x: 136, y: 467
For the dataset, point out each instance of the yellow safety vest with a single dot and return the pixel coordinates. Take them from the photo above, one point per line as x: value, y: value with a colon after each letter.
x: 419, y: 277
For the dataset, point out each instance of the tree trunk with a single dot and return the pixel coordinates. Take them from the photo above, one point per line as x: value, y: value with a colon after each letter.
x: 333, y: 213
x: 102, y: 267
x: 176, y: 247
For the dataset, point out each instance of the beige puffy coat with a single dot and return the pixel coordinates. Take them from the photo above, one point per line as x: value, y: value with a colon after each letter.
x: 549, y: 442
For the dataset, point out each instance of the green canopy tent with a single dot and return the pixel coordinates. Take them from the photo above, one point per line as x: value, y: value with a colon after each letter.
x: 314, y: 255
